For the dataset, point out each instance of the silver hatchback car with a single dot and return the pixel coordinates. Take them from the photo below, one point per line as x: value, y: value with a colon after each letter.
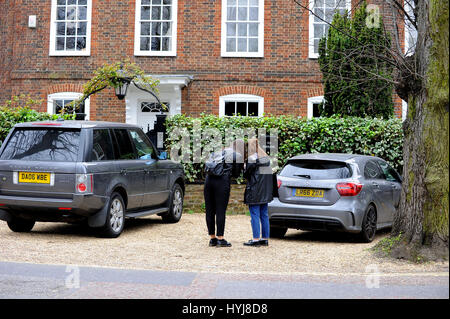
x: 335, y: 192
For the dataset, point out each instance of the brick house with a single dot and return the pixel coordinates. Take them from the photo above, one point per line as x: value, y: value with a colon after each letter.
x: 212, y: 56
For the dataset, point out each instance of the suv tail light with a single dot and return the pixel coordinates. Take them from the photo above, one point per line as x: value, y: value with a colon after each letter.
x: 84, y: 184
x: 348, y: 189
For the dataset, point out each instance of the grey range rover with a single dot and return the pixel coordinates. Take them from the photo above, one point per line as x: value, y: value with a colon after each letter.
x: 97, y: 173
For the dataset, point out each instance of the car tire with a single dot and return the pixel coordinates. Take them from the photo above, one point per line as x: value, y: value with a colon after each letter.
x: 277, y: 232
x: 115, y: 217
x: 369, y: 225
x: 20, y: 225
x: 175, y: 206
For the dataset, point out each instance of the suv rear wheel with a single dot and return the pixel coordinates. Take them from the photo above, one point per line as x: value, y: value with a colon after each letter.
x: 20, y: 225
x: 115, y: 218
x: 176, y: 205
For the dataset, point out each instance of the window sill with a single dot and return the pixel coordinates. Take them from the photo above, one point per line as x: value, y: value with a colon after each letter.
x: 157, y: 54
x: 69, y: 54
x: 242, y: 55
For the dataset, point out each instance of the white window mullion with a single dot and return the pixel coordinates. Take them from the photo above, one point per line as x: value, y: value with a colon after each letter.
x: 67, y: 97
x: 239, y: 98
x: 171, y: 36
x: 311, y: 102
x: 321, y: 8
x: 237, y: 38
x: 81, y: 42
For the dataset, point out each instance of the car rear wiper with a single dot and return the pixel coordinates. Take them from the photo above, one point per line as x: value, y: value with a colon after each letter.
x: 304, y: 176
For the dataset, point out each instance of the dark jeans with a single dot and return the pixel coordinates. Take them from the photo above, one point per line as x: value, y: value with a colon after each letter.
x: 217, y: 194
x: 260, y: 220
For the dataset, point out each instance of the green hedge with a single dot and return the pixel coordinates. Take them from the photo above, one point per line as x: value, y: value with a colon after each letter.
x: 382, y: 138
x: 10, y: 116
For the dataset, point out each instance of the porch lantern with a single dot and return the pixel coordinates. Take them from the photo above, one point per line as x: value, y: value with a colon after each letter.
x: 121, y: 90
x: 123, y: 83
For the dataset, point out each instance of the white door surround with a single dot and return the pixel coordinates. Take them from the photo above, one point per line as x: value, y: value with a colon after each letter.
x: 169, y: 87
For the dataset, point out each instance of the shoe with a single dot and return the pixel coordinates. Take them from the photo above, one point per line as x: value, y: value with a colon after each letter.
x: 254, y: 243
x: 213, y: 242
x: 264, y: 242
x: 223, y: 243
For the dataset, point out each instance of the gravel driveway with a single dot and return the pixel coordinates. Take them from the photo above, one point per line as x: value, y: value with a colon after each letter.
x: 150, y: 244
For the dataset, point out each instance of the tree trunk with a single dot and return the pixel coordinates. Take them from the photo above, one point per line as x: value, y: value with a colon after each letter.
x: 422, y: 218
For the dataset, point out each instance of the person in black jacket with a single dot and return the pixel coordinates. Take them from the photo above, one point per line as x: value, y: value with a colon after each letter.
x: 258, y: 192
x: 217, y: 189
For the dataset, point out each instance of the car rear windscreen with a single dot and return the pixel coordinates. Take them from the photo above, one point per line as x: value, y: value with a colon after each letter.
x: 43, y: 145
x: 316, y: 169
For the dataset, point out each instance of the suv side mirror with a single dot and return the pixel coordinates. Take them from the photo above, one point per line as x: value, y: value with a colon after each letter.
x: 162, y: 155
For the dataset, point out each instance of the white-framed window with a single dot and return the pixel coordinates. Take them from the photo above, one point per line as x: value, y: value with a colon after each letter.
x: 156, y: 28
x: 242, y: 28
x: 241, y: 104
x: 57, y: 101
x: 324, y: 11
x: 313, y: 106
x: 70, y: 28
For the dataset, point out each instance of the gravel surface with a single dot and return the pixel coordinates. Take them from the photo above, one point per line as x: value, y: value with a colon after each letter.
x: 148, y: 243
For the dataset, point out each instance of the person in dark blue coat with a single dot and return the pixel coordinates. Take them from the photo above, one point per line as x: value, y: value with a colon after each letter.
x: 258, y: 192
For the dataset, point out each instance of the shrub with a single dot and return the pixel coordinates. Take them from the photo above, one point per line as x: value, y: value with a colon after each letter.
x: 366, y: 136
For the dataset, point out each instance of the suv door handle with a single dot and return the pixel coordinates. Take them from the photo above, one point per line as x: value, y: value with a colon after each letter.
x: 123, y: 171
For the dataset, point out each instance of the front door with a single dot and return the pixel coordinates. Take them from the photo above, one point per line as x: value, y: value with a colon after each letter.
x: 146, y: 114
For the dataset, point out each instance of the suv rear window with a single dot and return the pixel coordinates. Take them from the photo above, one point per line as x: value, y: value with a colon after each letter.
x: 316, y: 170
x: 43, y: 145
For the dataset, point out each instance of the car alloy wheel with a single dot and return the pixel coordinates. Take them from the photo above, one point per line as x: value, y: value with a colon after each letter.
x: 116, y: 215
x: 369, y: 227
x: 177, y: 203
x: 175, y: 209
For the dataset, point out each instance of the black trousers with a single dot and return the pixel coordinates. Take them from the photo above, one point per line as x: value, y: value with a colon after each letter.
x: 217, y: 194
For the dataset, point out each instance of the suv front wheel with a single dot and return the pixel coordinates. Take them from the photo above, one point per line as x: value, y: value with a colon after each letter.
x: 115, y: 218
x: 176, y: 205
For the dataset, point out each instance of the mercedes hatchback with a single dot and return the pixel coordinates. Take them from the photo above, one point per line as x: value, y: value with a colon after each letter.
x: 335, y: 192
x: 98, y: 173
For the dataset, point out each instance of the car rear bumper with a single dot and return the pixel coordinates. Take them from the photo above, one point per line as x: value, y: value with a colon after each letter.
x: 42, y: 207
x: 313, y: 217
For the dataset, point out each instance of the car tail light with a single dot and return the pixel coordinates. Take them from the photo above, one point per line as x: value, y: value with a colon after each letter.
x: 84, y: 184
x: 348, y: 189
x: 64, y: 208
x: 278, y: 183
x: 82, y: 187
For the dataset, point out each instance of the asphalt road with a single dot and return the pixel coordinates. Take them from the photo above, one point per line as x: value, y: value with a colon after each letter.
x: 30, y: 281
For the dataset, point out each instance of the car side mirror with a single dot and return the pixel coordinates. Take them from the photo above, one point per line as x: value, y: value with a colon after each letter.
x: 162, y: 155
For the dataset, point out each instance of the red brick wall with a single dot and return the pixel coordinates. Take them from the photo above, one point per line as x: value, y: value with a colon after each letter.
x: 285, y: 77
